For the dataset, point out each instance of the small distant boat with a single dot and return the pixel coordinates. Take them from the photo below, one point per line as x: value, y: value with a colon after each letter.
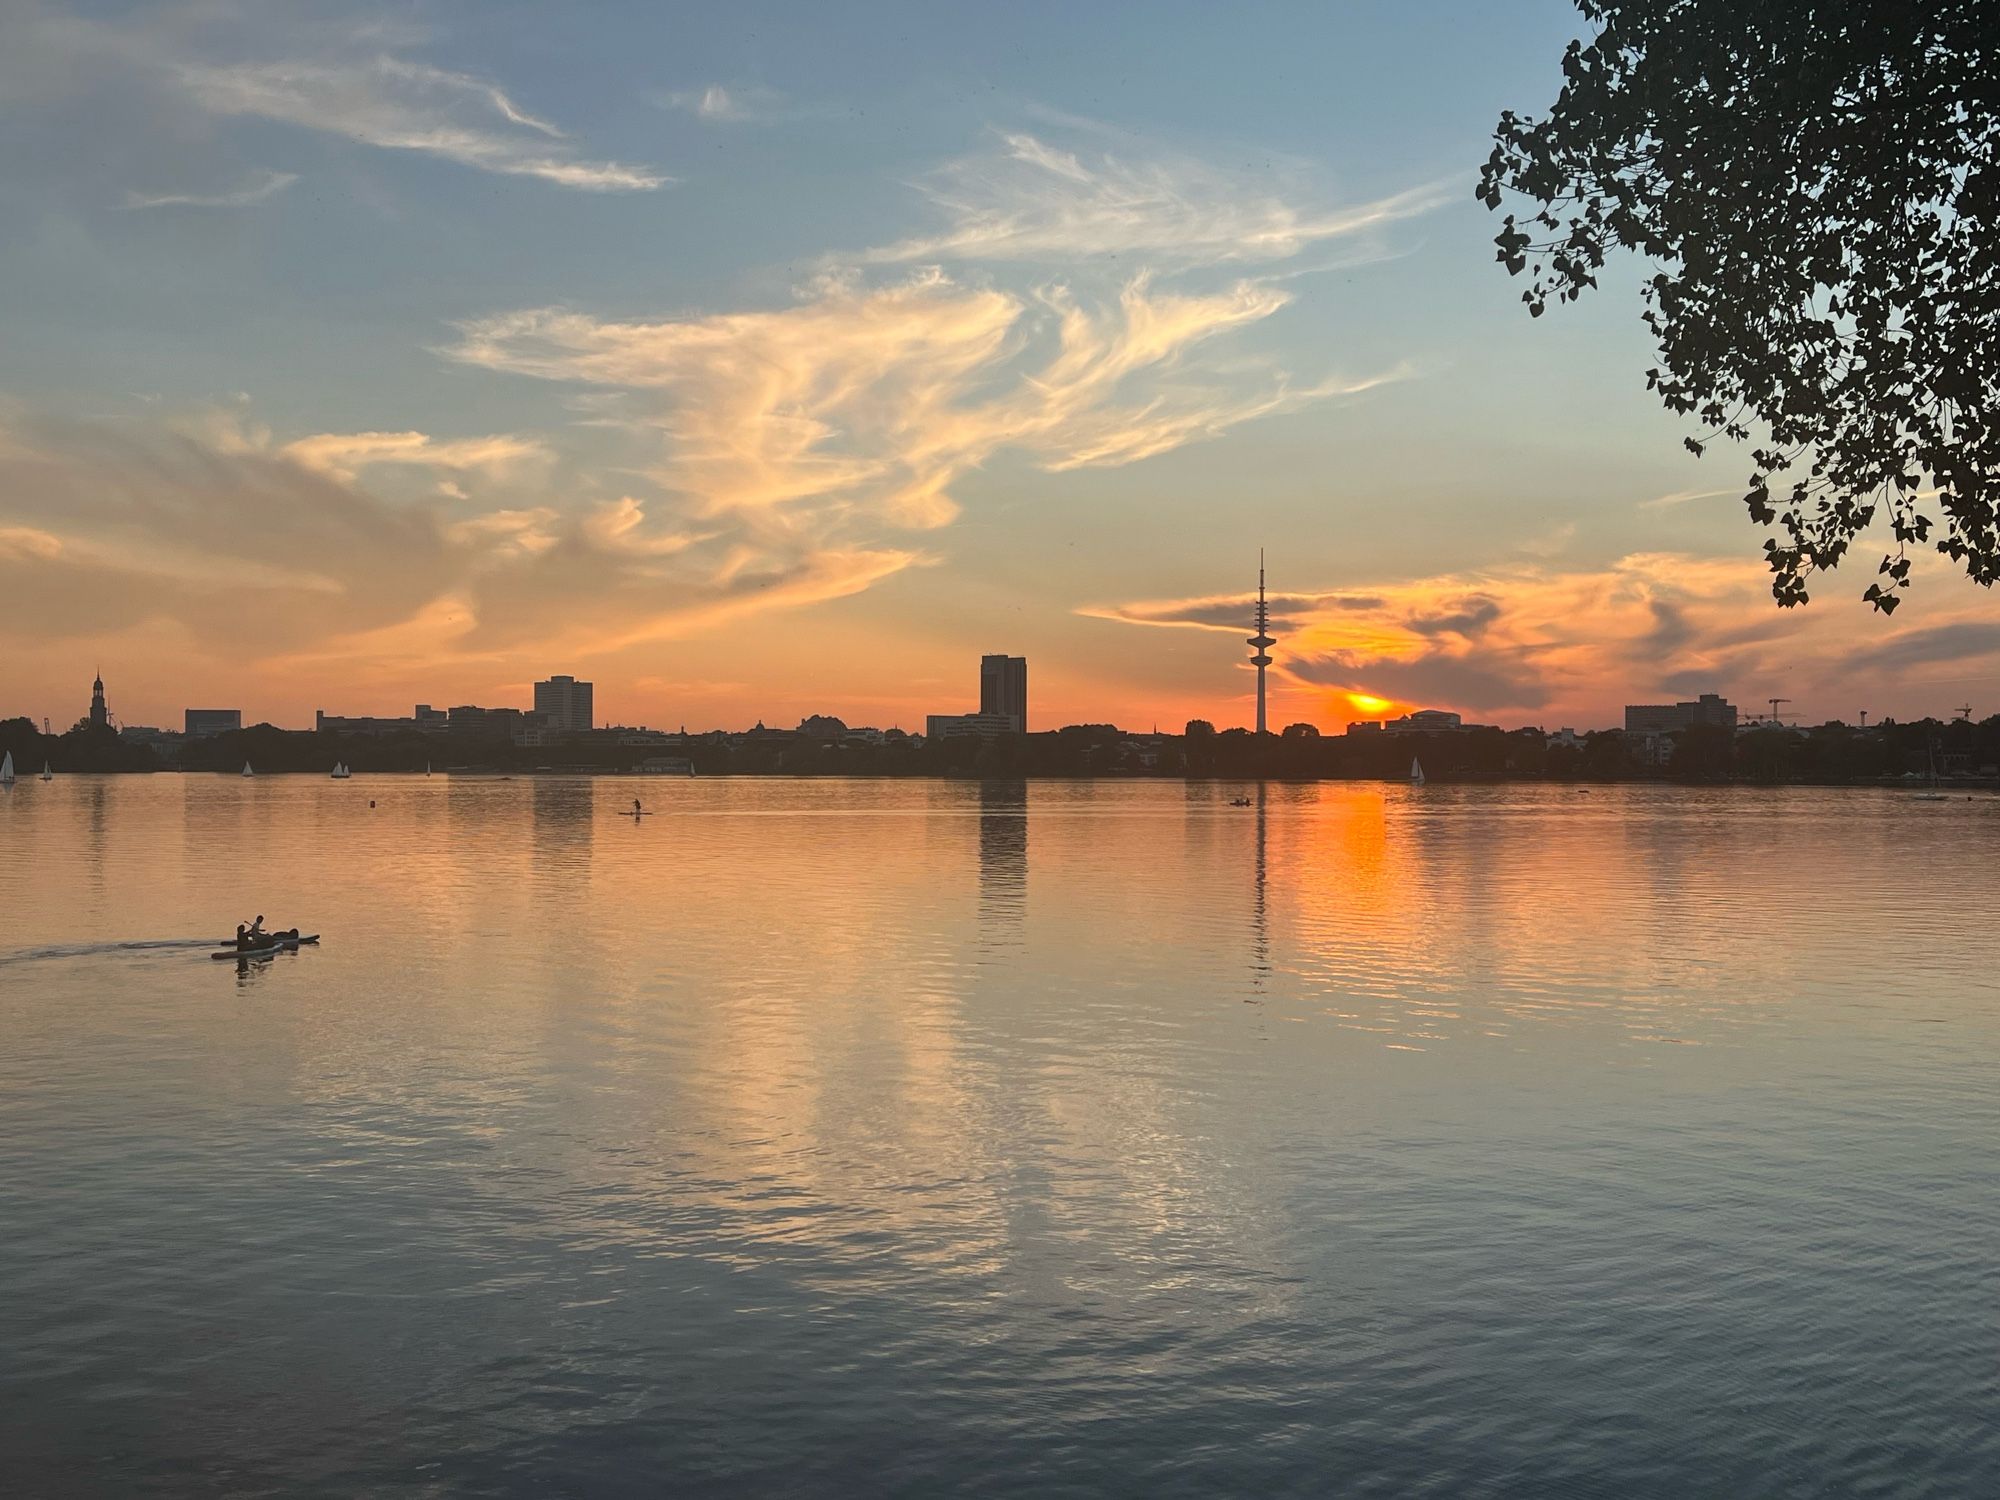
x: 246, y: 769
x: 340, y: 771
x: 1932, y: 794
x: 1239, y: 801
x: 7, y: 769
x: 427, y: 768
x: 47, y: 774
x: 1416, y: 772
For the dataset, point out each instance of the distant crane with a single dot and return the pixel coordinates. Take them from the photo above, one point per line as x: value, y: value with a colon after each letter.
x: 1774, y: 702
x: 1964, y: 714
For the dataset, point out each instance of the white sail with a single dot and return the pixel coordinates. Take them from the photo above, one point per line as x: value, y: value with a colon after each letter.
x: 1416, y: 772
x: 47, y: 774
x: 246, y: 769
x: 7, y: 767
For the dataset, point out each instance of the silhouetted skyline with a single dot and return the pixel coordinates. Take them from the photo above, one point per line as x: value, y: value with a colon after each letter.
x: 796, y: 400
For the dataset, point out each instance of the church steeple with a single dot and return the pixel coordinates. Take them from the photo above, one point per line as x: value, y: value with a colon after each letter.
x: 99, y: 713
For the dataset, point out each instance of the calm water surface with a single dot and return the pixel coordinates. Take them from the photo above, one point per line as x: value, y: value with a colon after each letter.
x: 1028, y: 1139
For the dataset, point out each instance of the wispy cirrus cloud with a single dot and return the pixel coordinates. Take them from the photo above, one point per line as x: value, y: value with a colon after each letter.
x: 734, y: 105
x: 1684, y: 497
x: 344, y: 453
x: 340, y: 76
x: 259, y: 557
x: 1028, y: 199
x: 401, y: 105
x: 873, y: 401
x: 263, y: 187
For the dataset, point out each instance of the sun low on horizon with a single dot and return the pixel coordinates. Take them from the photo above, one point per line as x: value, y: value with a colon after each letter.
x: 931, y: 750
x: 755, y: 367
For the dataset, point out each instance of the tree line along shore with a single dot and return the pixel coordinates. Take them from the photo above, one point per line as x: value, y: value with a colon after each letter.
x: 1959, y: 752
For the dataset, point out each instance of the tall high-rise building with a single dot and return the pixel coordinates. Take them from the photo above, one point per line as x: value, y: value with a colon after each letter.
x: 1003, y: 688
x: 99, y: 712
x: 566, y: 705
x: 1261, y: 640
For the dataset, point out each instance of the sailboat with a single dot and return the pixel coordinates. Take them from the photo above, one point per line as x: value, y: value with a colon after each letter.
x: 427, y: 768
x: 1416, y: 772
x: 1931, y: 777
x: 7, y: 769
x: 340, y: 771
x: 47, y: 774
x: 246, y: 769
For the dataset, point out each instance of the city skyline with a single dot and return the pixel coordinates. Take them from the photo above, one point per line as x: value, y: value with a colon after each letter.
x: 563, y: 705
x: 769, y: 371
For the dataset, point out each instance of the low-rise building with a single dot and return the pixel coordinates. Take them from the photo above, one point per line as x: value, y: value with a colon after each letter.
x: 955, y: 726
x: 364, y: 724
x: 1428, y: 721
x: 1664, y: 718
x: 146, y: 734
x: 201, y: 723
x: 471, y: 721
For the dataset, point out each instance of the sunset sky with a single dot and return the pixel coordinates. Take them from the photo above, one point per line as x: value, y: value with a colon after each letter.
x: 759, y: 360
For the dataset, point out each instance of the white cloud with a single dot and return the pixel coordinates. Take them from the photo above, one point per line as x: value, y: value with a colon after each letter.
x: 401, y: 105
x: 1550, y: 543
x: 1029, y: 200
x: 264, y: 186
x: 1682, y: 497
x: 725, y: 106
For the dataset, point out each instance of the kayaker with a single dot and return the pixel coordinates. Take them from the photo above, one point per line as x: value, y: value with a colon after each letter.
x: 636, y: 808
x: 243, y: 937
x: 257, y: 928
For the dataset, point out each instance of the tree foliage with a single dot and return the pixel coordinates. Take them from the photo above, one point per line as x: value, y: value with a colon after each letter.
x: 1817, y: 183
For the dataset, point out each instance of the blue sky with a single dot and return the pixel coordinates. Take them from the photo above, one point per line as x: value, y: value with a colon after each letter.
x: 764, y: 360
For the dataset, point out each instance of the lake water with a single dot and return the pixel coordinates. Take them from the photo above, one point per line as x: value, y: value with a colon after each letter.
x: 914, y: 1138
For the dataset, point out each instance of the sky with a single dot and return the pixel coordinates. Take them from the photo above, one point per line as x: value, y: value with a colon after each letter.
x: 765, y: 360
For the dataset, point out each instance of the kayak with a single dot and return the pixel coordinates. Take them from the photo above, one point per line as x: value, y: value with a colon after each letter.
x: 630, y: 814
x: 281, y: 946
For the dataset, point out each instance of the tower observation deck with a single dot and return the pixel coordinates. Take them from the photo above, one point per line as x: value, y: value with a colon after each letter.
x: 1262, y: 640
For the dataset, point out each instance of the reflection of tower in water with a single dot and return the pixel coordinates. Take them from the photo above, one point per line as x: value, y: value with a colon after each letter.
x: 1003, y: 860
x: 1260, y: 920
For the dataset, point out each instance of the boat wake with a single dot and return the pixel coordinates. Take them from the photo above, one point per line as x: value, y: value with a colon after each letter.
x: 94, y: 950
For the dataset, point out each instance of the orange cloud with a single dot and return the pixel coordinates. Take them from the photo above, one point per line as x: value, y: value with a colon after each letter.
x: 1534, y: 644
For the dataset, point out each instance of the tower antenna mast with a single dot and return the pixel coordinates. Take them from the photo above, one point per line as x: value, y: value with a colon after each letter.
x: 1261, y: 640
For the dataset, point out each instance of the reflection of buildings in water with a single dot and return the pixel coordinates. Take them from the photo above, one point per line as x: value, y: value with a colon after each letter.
x: 1003, y: 860
x: 565, y: 828
x: 96, y: 794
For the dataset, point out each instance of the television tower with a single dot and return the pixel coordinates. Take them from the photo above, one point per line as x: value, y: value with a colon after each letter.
x: 1261, y: 640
